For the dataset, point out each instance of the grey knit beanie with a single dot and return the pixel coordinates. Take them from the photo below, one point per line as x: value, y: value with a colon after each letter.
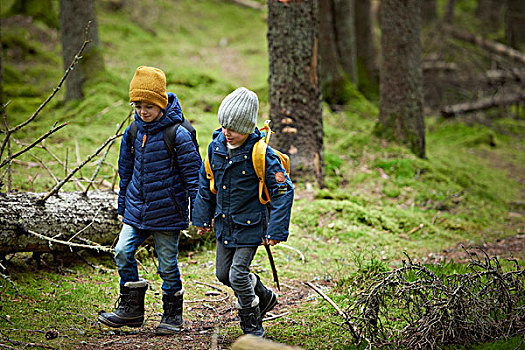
x: 238, y: 111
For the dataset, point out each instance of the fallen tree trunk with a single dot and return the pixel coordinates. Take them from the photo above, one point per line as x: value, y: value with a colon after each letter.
x: 94, y: 217
x: 28, y: 224
x: 482, y: 104
x: 488, y: 45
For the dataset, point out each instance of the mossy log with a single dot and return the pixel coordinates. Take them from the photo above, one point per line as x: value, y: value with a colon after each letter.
x: 84, y: 220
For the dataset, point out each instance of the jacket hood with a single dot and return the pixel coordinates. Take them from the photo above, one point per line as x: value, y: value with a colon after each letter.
x: 172, y: 115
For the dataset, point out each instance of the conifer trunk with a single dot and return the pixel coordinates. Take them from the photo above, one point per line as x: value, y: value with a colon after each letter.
x: 401, y: 92
x: 294, y: 91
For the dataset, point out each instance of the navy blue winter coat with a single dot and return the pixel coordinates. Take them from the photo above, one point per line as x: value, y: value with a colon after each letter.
x: 154, y: 193
x: 239, y: 217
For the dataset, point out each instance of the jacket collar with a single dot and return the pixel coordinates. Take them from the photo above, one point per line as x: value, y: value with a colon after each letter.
x: 172, y: 115
x: 220, y: 142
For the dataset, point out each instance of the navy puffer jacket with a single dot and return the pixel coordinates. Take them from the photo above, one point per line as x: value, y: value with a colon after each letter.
x: 154, y: 193
x: 239, y: 217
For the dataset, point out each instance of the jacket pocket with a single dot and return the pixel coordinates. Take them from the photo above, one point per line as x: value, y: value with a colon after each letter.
x: 248, y: 228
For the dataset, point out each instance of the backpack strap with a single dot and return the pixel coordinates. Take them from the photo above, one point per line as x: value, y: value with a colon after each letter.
x: 169, y: 141
x: 259, y: 164
x: 132, y: 135
x: 209, y: 175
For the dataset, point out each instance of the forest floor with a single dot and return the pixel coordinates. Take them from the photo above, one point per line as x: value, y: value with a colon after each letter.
x: 215, y: 316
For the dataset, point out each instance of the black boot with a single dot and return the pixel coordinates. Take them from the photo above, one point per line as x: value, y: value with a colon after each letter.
x: 130, y: 310
x: 171, y: 321
x: 267, y: 298
x: 251, y: 320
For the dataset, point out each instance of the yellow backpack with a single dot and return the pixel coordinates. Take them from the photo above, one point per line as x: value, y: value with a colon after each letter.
x: 259, y: 163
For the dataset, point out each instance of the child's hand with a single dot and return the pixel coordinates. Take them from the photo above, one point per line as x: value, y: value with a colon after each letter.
x: 203, y: 230
x: 271, y: 242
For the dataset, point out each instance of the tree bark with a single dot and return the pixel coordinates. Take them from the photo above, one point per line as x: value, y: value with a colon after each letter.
x: 401, y: 93
x: 294, y: 89
x: 365, y: 47
x: 428, y: 11
x: 448, y: 16
x: 74, y: 18
x: 515, y: 24
x: 332, y: 76
x: 344, y: 18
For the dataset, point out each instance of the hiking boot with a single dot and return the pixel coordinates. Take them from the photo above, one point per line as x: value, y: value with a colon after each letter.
x: 251, y: 320
x: 171, y: 321
x: 267, y: 298
x: 130, y: 310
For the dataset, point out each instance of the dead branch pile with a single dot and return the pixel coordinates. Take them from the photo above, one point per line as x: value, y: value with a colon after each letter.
x: 415, y: 308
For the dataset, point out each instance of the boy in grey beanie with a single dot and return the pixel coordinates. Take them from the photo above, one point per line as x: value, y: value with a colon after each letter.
x: 240, y: 220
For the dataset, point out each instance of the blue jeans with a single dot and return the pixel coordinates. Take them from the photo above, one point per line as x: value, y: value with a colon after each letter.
x: 232, y: 268
x: 167, y: 248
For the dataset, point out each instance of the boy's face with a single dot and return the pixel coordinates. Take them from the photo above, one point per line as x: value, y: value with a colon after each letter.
x: 233, y: 137
x: 147, y: 111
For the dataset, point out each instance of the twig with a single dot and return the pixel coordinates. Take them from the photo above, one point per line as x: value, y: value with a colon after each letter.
x: 46, y: 135
x: 275, y: 316
x: 58, y: 186
x: 325, y: 297
x: 294, y: 249
x: 43, y: 146
x: 11, y: 282
x: 209, y: 285
x: 206, y: 300
x: 71, y: 244
x: 85, y: 227
x: 9, y: 174
x: 415, y: 229
x: 46, y: 168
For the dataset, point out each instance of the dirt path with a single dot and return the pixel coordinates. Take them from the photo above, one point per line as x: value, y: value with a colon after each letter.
x: 205, y: 329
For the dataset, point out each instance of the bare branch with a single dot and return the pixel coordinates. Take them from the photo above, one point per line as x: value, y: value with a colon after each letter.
x: 98, y: 248
x: 46, y: 135
x: 66, y: 179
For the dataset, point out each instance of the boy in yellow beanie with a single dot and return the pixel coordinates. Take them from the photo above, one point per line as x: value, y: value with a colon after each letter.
x: 156, y: 189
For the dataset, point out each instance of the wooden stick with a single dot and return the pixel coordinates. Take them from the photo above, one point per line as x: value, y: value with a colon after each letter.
x: 325, y: 297
x: 71, y: 244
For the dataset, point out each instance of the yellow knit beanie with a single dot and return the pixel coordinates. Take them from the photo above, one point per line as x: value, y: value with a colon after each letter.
x: 149, y: 85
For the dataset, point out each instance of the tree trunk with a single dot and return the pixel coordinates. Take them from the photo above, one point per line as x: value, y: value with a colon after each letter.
x: 364, y: 41
x: 60, y: 217
x: 332, y: 76
x: 74, y: 17
x: 515, y: 24
x: 428, y: 11
x: 490, y: 14
x: 344, y: 17
x: 82, y: 220
x: 294, y: 91
x: 401, y: 99
x: 448, y: 16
